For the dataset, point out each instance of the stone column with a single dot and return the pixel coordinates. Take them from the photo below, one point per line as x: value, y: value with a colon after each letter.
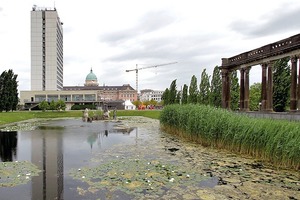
x: 264, y: 87
x: 223, y: 72
x: 270, y: 87
x: 298, y: 89
x: 246, y: 90
x: 228, y: 97
x: 225, y: 89
x: 242, y: 88
x: 293, y: 103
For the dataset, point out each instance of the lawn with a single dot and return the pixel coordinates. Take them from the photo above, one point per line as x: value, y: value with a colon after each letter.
x: 10, y: 117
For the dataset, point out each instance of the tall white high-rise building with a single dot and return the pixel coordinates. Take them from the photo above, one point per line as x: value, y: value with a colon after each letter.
x: 46, y: 50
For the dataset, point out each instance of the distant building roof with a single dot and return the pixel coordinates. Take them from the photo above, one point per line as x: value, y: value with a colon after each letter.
x: 123, y: 87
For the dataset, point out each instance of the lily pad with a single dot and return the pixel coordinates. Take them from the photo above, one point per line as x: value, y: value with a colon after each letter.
x: 16, y: 173
x: 134, y: 176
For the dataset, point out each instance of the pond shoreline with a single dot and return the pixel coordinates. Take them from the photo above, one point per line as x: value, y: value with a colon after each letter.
x: 228, y: 175
x: 239, y: 176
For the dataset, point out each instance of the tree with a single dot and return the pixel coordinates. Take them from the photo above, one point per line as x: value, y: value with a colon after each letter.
x: 255, y: 96
x: 8, y: 91
x: 216, y: 88
x: 193, y: 91
x: 184, y: 99
x: 178, y: 97
x: 153, y: 102
x: 44, y: 105
x: 281, y: 84
x: 234, y: 91
x: 172, y: 92
x: 60, y: 105
x: 137, y: 103
x: 165, y: 97
x: 52, y: 105
x: 2, y: 97
x: 204, y: 88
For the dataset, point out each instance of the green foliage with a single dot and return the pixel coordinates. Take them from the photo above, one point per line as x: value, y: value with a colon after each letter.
x: 137, y: 103
x: 281, y: 84
x: 165, y: 97
x: 52, y: 105
x: 178, y: 97
x: 193, y: 91
x: 8, y: 91
x: 255, y: 96
x: 276, y: 141
x: 44, y: 106
x: 153, y: 102
x: 234, y: 91
x: 82, y: 107
x: 60, y: 105
x: 216, y: 88
x: 172, y: 92
x: 204, y: 88
x: 184, y: 99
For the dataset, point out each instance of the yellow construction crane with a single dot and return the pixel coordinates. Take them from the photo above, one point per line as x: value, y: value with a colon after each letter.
x: 137, y: 71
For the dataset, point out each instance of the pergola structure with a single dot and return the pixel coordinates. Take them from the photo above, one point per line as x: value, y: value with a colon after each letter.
x: 264, y: 56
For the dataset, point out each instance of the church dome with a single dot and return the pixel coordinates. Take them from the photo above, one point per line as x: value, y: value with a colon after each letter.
x: 91, y: 76
x: 91, y: 79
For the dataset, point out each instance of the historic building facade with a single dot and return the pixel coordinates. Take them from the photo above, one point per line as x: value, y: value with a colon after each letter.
x: 90, y: 93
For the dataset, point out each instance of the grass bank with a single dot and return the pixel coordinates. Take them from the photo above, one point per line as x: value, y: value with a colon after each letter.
x: 277, y: 142
x: 11, y: 117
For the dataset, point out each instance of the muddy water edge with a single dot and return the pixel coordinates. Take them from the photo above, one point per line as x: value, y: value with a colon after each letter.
x: 232, y: 176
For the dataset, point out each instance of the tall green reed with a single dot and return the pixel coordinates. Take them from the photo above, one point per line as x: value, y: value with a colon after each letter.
x: 275, y: 141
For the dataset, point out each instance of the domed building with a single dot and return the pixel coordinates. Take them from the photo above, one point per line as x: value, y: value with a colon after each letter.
x: 89, y: 93
x: 91, y: 79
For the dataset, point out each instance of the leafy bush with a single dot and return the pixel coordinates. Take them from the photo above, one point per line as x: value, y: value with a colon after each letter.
x: 82, y: 107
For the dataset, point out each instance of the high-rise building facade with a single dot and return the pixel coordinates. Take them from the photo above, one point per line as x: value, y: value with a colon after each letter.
x: 46, y: 50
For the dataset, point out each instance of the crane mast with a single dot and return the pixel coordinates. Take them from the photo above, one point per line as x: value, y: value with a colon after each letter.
x: 137, y: 71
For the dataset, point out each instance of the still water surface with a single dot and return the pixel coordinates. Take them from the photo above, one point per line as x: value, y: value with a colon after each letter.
x: 175, y: 168
x: 56, y: 147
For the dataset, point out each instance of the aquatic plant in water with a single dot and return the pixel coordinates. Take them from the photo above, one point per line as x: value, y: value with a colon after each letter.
x: 16, y: 173
x: 136, y: 176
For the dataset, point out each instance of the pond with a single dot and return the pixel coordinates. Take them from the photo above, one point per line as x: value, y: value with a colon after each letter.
x: 127, y: 159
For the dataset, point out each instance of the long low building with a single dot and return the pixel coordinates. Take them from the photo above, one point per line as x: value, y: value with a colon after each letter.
x: 90, y: 93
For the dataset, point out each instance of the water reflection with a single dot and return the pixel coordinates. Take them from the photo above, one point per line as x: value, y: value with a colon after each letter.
x: 47, y: 154
x: 55, y: 147
x: 8, y: 144
x: 98, y: 137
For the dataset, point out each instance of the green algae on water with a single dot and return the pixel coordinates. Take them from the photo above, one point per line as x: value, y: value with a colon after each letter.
x: 16, y: 173
x: 136, y: 176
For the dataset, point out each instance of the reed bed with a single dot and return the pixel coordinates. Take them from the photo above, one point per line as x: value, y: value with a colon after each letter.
x: 275, y: 141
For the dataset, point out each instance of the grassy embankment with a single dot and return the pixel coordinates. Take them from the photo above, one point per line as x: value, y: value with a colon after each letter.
x: 274, y: 141
x: 10, y: 117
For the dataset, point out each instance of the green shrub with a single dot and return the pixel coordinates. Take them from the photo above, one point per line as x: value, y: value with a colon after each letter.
x: 83, y: 107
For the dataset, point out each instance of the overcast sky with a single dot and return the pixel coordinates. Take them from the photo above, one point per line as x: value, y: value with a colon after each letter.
x: 115, y: 35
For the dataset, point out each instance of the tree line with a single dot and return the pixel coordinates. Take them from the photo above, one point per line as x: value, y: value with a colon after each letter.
x: 209, y: 92
x: 8, y: 91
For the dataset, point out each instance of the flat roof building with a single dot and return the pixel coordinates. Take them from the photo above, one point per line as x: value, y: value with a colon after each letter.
x: 46, y: 50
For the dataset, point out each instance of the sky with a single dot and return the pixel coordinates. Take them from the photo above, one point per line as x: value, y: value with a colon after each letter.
x: 113, y: 36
